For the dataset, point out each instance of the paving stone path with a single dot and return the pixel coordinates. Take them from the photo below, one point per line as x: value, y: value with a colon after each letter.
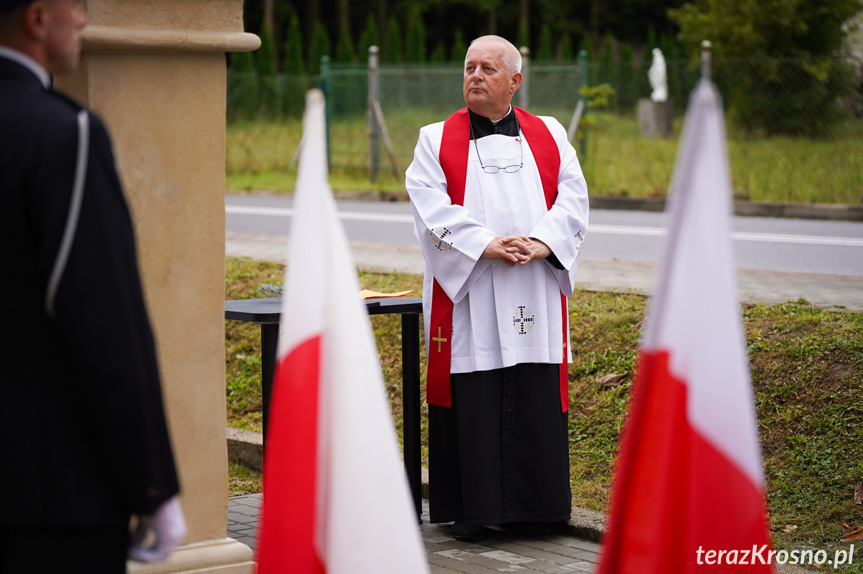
x: 501, y: 551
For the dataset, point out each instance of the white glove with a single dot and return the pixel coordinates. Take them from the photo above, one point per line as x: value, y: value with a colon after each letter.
x: 168, y: 527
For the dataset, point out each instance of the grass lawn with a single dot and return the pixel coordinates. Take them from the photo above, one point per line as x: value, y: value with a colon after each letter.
x: 620, y: 161
x: 807, y: 370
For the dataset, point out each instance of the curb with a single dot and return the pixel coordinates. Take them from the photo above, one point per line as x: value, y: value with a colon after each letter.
x: 247, y: 448
x: 584, y: 524
x: 829, y: 211
x: 820, y: 211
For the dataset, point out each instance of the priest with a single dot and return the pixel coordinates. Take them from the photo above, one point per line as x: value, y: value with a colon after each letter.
x: 500, y: 206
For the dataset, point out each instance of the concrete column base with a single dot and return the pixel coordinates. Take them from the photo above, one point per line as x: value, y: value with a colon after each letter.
x: 224, y: 556
x: 654, y: 118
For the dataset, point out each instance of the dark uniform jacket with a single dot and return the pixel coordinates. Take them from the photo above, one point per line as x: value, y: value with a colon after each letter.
x: 83, y: 438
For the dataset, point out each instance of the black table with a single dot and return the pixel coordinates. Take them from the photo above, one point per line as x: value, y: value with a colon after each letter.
x: 267, y: 313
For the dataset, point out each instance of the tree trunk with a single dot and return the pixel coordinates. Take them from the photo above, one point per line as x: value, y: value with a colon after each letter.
x: 492, y: 19
x: 344, y: 15
x: 524, y: 19
x: 268, y: 18
x: 313, y: 11
x: 382, y: 22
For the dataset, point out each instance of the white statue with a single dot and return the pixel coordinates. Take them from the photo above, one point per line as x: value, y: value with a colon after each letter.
x: 657, y: 77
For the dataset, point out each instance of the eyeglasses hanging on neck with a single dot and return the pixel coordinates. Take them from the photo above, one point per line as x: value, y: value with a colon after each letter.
x: 494, y: 168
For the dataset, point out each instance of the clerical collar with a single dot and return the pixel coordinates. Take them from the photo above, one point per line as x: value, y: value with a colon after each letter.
x: 482, y: 126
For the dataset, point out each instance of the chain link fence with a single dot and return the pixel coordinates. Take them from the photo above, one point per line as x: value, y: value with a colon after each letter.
x: 805, y: 115
x: 254, y: 97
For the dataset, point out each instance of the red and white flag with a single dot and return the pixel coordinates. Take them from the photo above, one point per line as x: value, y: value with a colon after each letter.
x: 336, y: 497
x: 689, y: 489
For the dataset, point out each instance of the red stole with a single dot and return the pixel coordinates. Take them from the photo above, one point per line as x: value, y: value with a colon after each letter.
x: 454, y: 151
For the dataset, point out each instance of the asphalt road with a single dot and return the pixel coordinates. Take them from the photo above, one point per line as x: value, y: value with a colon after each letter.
x: 792, y: 246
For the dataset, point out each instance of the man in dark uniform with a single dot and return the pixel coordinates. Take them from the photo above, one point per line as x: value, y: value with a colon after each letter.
x: 84, y: 438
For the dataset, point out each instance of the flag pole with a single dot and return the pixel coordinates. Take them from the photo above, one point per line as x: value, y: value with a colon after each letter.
x: 689, y: 474
x: 705, y: 60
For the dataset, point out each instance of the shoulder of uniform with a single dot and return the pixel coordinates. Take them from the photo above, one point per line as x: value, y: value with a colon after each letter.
x: 65, y: 101
x: 64, y: 104
x: 62, y: 110
x: 52, y: 111
x: 54, y: 117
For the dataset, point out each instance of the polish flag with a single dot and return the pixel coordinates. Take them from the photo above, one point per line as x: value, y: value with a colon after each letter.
x: 689, y: 489
x: 336, y: 498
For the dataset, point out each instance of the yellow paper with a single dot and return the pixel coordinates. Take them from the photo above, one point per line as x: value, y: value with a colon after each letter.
x: 366, y: 294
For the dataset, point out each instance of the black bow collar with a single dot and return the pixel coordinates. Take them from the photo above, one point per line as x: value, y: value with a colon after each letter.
x: 482, y: 126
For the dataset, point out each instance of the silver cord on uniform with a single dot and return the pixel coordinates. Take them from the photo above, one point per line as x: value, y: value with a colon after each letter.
x: 74, y: 211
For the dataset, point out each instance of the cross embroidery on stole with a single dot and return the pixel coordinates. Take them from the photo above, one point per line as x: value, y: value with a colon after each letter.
x: 439, y: 339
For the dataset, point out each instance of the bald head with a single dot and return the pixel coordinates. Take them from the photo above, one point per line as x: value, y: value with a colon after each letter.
x: 491, y: 76
x: 48, y: 31
x: 508, y: 52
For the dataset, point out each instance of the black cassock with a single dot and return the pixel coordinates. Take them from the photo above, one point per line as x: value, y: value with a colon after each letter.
x: 501, y: 453
x: 86, y: 441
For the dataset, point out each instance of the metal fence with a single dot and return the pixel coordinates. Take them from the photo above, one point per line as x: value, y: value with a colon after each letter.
x: 816, y: 100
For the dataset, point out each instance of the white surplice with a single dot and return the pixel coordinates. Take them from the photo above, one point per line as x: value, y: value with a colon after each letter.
x: 502, y: 315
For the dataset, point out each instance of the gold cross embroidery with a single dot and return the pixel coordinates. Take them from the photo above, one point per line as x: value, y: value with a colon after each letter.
x: 439, y: 339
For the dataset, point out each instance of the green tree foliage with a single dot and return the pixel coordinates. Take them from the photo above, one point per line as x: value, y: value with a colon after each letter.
x: 651, y: 41
x: 293, y: 83
x: 797, y: 34
x: 320, y: 47
x: 606, y: 57
x: 459, y: 48
x: 266, y: 56
x: 523, y: 38
x: 270, y: 98
x: 586, y: 46
x: 393, y: 49
x: 369, y: 37
x: 345, y: 46
x: 602, y: 63
x: 566, y: 54
x: 544, y: 51
x: 597, y: 99
x: 438, y: 55
x: 627, y: 54
x: 627, y: 20
x: 627, y: 90
x: 243, y: 62
x: 416, y: 49
x: 351, y: 98
x: 292, y: 58
x: 243, y: 92
x: 670, y: 49
x: 678, y: 85
x: 781, y: 28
